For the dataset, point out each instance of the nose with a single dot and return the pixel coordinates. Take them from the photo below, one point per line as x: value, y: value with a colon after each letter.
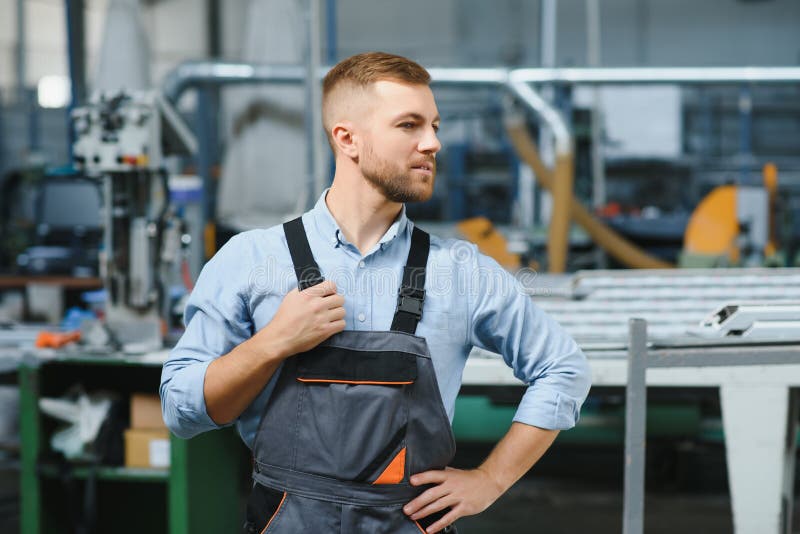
x: 429, y: 143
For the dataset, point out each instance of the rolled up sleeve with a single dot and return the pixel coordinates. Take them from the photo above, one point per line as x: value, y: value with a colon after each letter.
x: 541, y: 354
x: 217, y: 320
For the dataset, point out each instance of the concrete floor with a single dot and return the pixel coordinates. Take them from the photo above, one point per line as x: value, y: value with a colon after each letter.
x: 572, y: 490
x: 579, y: 489
x: 551, y: 506
x: 9, y: 495
x: 556, y: 507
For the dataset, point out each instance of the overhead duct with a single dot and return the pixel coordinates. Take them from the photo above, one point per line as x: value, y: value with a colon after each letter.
x: 263, y: 180
x: 209, y: 73
x: 124, y: 63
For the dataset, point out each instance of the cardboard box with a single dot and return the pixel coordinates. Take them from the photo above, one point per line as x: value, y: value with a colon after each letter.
x: 147, y: 448
x: 146, y: 412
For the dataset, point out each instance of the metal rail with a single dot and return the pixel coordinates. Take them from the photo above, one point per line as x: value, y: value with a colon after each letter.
x: 640, y: 358
x: 516, y: 81
x: 673, y: 302
x: 191, y: 73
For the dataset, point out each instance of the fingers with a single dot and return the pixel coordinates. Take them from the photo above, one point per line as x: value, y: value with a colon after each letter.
x: 436, y: 506
x: 337, y: 326
x: 335, y: 314
x: 333, y: 301
x: 326, y: 292
x: 448, y: 519
x: 425, y: 499
x: 429, y: 477
x: 323, y: 289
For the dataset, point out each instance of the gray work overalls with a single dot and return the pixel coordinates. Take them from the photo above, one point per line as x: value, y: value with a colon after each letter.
x: 351, y: 420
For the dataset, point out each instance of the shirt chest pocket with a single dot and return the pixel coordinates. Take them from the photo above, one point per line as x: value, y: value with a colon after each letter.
x: 443, y: 322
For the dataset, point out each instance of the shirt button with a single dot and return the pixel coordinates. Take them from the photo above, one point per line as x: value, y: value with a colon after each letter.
x: 362, y: 317
x: 361, y: 264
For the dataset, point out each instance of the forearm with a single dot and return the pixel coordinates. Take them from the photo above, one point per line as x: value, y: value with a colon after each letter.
x: 516, y: 453
x: 232, y: 381
x: 303, y: 320
x: 471, y: 491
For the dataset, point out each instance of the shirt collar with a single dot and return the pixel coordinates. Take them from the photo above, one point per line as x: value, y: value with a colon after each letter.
x: 329, y: 229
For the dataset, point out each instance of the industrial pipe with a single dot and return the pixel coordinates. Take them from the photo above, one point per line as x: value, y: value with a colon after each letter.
x: 656, y: 75
x: 206, y: 72
x: 192, y: 73
x: 21, y: 51
x: 214, y: 72
x: 617, y: 246
x: 561, y: 184
x: 313, y: 112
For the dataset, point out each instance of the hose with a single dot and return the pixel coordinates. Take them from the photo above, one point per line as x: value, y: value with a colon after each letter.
x: 614, y: 244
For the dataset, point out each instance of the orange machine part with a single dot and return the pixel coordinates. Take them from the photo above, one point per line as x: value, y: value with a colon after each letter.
x: 617, y: 246
x: 55, y: 340
x: 713, y: 226
x: 480, y: 231
x: 770, y: 175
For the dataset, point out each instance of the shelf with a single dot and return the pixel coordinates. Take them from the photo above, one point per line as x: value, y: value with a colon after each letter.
x: 67, y: 282
x: 193, y: 495
x: 110, y: 473
x: 75, y: 356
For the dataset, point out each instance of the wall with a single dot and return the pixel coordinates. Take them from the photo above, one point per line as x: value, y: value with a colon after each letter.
x: 448, y: 32
x: 437, y: 32
x: 176, y: 28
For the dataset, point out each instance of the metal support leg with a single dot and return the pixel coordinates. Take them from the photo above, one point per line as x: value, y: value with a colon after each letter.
x: 635, y: 431
x: 206, y: 127
x: 792, y: 426
x: 760, y: 424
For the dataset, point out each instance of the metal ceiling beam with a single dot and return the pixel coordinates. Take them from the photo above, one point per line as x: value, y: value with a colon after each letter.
x: 189, y: 73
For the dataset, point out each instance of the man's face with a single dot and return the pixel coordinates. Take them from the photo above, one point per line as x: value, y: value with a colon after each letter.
x: 399, y: 144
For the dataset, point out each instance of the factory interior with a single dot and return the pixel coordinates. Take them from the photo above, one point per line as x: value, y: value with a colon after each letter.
x: 633, y: 164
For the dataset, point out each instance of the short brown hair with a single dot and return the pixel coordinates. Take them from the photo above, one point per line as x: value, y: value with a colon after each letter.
x: 369, y: 67
x: 362, y: 70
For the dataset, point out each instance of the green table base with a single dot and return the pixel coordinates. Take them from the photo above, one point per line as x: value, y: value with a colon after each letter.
x: 203, y: 491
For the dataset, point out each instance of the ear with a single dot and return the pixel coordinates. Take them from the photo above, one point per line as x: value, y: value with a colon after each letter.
x: 344, y: 138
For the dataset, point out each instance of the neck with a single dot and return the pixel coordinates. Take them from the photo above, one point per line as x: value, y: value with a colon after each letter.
x: 362, y: 212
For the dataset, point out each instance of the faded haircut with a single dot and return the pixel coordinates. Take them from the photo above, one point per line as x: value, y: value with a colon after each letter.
x: 362, y: 70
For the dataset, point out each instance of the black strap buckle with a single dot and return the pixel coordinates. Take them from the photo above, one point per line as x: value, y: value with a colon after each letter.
x: 410, y: 301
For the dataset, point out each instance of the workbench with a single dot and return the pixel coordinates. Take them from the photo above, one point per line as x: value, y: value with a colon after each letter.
x: 759, y: 414
x: 759, y: 400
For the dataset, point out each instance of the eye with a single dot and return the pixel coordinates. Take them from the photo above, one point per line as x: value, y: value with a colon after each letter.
x: 436, y: 128
x: 407, y: 125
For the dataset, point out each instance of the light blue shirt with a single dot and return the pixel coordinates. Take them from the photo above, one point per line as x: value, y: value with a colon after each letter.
x: 470, y: 301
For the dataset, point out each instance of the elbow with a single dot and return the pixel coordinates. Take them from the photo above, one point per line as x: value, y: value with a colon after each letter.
x: 178, y: 429
x: 585, y: 376
x: 176, y: 422
x: 582, y: 383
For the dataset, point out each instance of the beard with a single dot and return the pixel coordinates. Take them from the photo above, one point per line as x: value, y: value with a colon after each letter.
x: 396, y: 183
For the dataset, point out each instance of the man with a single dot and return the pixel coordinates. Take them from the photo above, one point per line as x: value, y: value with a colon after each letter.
x: 336, y: 343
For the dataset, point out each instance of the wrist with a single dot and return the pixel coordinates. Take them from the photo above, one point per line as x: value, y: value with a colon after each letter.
x: 270, y: 345
x: 492, y: 480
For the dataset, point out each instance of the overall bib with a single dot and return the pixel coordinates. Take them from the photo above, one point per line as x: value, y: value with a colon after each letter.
x: 350, y: 421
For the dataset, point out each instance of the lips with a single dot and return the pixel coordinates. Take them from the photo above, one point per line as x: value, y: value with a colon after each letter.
x: 424, y: 166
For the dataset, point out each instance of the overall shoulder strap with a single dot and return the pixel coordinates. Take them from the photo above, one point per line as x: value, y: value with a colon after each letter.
x: 411, y: 296
x: 305, y: 267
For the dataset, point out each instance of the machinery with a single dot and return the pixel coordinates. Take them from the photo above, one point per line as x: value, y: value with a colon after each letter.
x: 733, y: 224
x: 756, y: 321
x: 122, y: 141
